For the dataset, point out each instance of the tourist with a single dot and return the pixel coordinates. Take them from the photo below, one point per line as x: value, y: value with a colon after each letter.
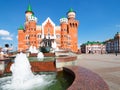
x: 6, y: 49
x: 116, y: 53
x: 2, y: 55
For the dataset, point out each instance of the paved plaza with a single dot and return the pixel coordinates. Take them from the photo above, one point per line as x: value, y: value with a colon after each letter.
x: 106, y: 65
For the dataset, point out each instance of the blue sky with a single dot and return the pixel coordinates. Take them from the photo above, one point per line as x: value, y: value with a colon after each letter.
x: 99, y: 20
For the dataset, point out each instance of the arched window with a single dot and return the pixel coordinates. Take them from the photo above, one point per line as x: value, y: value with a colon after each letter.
x: 27, y: 37
x: 76, y: 24
x: 70, y: 24
x: 39, y: 35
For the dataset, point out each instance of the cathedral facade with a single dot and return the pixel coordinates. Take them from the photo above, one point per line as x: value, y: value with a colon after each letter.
x: 65, y: 35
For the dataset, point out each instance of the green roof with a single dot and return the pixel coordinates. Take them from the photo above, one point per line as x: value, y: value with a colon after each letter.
x: 21, y: 28
x: 63, y: 17
x: 91, y: 43
x: 70, y: 10
x: 29, y: 9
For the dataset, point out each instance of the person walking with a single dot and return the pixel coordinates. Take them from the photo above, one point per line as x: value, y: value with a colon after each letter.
x: 116, y: 53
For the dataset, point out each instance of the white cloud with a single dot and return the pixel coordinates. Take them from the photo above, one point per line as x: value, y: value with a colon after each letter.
x: 4, y: 33
x: 7, y: 38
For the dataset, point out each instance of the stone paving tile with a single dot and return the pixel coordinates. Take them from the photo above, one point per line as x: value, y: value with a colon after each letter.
x: 112, y: 78
x: 113, y: 86
x: 107, y: 66
x: 107, y: 70
x: 116, y: 74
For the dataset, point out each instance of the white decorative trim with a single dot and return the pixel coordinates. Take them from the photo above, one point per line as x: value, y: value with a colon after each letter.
x: 44, y: 23
x: 71, y: 15
x: 63, y: 20
x: 32, y: 18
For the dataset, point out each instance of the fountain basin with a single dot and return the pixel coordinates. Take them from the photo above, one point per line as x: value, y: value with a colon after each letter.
x: 49, y: 64
x: 85, y: 79
x: 45, y: 54
x: 23, y: 78
x: 65, y: 61
x: 3, y: 63
x: 60, y: 80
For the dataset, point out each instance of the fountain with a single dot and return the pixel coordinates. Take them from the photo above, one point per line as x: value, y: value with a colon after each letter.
x: 54, y: 46
x: 47, y: 48
x: 22, y: 77
x: 33, y: 50
x: 40, y: 56
x: 27, y: 75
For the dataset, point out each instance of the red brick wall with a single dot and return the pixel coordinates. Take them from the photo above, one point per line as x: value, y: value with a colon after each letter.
x: 37, y: 66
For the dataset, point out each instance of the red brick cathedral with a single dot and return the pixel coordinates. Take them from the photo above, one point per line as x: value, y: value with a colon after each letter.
x: 65, y: 35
